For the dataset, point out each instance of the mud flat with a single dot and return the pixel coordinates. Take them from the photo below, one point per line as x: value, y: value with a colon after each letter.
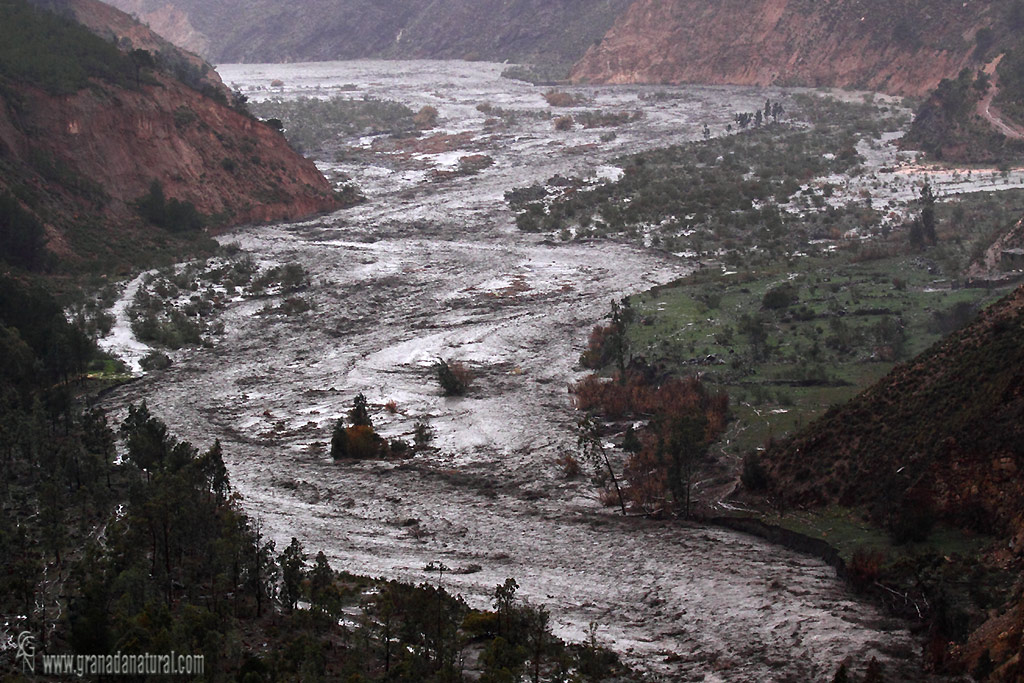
x: 432, y: 268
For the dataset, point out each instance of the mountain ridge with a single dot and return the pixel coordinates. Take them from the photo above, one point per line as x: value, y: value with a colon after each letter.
x: 80, y: 151
x: 904, y: 48
x: 556, y: 32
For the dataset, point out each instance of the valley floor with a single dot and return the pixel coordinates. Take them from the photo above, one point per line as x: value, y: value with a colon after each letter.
x: 432, y: 266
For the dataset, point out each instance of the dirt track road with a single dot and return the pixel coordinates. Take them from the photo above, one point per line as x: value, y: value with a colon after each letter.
x: 991, y: 113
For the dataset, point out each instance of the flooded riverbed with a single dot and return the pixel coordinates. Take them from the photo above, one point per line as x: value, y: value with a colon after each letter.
x: 432, y: 266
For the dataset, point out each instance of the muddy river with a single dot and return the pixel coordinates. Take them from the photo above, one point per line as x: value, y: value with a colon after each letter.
x: 432, y: 266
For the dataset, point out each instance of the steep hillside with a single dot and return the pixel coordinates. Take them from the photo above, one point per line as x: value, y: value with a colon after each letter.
x: 110, y: 151
x: 940, y: 440
x: 556, y: 32
x: 114, y: 25
x: 904, y: 48
x: 943, y: 433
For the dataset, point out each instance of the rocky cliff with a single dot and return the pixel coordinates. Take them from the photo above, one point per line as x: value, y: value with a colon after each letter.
x: 88, y: 132
x: 904, y: 47
x: 167, y: 21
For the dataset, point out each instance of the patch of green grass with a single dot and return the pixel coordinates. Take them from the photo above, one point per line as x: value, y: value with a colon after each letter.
x: 850, y: 324
x: 848, y: 530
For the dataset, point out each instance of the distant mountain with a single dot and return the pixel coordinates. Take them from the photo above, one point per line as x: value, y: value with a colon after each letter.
x: 108, y: 145
x: 904, y: 47
x: 547, y: 31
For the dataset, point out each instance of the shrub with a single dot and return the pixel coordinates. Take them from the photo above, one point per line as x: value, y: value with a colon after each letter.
x: 564, y: 123
x: 637, y: 396
x: 425, y: 117
x: 364, y: 443
x: 454, y: 377
x: 155, y: 361
x: 481, y: 624
x: 557, y: 98
x: 782, y: 296
x: 474, y: 163
x: 170, y: 214
x: 911, y: 521
x: 600, y: 347
x: 864, y: 567
x: 422, y: 435
x: 569, y: 464
x: 754, y: 476
x: 184, y: 117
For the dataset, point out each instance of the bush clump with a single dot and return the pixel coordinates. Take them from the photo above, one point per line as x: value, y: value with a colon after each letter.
x: 425, y: 118
x: 754, y: 476
x: 169, y: 214
x: 155, y: 360
x: 782, y: 296
x: 455, y: 378
x: 557, y: 98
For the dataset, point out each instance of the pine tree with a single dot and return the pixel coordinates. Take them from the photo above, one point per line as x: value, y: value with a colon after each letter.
x: 360, y: 413
x: 321, y: 584
x: 928, y: 214
x: 873, y: 674
x: 916, y: 234
x: 293, y: 566
x: 339, y: 441
x: 211, y: 464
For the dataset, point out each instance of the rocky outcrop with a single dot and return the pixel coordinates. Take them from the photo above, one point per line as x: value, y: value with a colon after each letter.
x: 903, y: 47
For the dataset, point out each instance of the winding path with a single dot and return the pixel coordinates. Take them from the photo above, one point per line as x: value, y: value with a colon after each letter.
x: 991, y: 113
